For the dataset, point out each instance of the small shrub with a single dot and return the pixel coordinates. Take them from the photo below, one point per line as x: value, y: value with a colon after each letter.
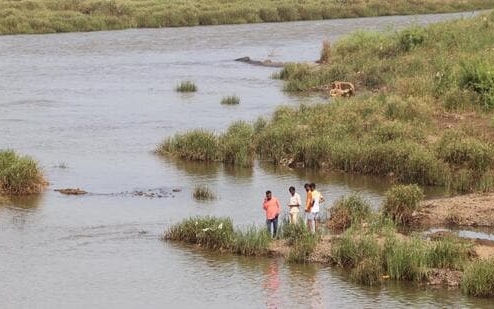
x: 19, y: 174
x: 401, y: 201
x: 478, y: 279
x: 186, y: 86
x: 410, y: 38
x: 230, y: 100
x: 347, y: 211
x: 203, y: 193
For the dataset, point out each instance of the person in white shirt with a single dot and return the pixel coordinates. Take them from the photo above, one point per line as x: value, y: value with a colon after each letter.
x: 294, y: 205
x: 317, y: 199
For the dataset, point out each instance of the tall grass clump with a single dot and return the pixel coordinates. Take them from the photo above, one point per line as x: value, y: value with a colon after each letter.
x: 448, y: 253
x: 401, y: 201
x: 209, y: 232
x: 301, y: 240
x: 406, y: 259
x: 235, y: 145
x: 230, y: 100
x: 195, y: 145
x: 19, y: 174
x: 350, y: 249
x: 203, y: 193
x: 348, y: 210
x: 478, y: 76
x: 254, y: 241
x: 186, y: 86
x: 462, y: 151
x: 478, y: 278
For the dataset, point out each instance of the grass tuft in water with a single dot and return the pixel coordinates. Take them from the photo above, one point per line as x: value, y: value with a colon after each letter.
x: 203, y: 193
x: 230, y: 100
x: 186, y: 86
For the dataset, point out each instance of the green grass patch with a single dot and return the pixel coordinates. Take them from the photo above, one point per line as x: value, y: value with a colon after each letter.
x: 401, y: 201
x: 49, y: 16
x: 478, y: 279
x: 230, y: 100
x: 219, y: 234
x: 19, y: 175
x: 348, y: 210
x: 209, y: 232
x: 186, y: 86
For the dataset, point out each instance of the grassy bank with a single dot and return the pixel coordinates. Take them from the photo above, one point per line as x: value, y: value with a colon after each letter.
x: 49, y: 16
x: 19, y: 174
x: 369, y: 246
x: 422, y: 114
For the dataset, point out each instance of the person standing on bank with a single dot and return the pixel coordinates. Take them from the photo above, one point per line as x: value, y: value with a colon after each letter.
x: 294, y: 204
x: 272, y: 207
x: 308, y: 203
x: 317, y: 199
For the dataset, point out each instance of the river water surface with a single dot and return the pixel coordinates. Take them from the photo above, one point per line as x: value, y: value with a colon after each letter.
x: 91, y: 108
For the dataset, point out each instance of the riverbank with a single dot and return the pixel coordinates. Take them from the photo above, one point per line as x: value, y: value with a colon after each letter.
x: 51, y: 16
x: 370, y: 245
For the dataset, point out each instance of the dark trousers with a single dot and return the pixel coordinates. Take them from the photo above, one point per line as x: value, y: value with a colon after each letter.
x: 272, y: 225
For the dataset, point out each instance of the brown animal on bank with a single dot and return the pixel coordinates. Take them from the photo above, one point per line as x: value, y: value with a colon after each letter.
x: 342, y: 89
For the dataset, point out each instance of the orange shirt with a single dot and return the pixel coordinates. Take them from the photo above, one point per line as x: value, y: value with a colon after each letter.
x: 308, y: 201
x: 272, y: 208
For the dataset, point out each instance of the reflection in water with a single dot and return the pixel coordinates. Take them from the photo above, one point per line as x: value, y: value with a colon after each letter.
x: 237, y: 172
x: 271, y: 284
x: 196, y: 168
x: 24, y: 202
x: 304, y: 282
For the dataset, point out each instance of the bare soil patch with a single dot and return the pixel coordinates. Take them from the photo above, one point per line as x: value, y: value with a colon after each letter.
x: 465, y: 210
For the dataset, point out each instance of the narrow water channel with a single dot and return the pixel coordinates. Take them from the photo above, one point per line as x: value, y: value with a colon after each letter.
x: 91, y: 107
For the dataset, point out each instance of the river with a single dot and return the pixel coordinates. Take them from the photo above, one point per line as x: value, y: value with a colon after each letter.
x: 91, y: 108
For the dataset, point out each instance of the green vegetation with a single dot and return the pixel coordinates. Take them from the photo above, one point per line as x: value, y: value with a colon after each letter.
x: 348, y: 210
x: 203, y: 193
x: 478, y: 279
x: 48, y: 16
x: 401, y: 202
x: 230, y: 100
x: 19, y: 174
x: 418, y: 119
x: 186, y: 86
x: 300, y: 239
x: 218, y: 233
x: 231, y: 147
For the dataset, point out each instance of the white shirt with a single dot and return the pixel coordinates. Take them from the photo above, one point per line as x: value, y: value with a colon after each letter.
x: 294, y: 203
x: 316, y: 197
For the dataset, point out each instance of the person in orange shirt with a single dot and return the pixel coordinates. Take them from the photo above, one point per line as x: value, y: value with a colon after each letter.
x: 272, y: 207
x: 308, y: 203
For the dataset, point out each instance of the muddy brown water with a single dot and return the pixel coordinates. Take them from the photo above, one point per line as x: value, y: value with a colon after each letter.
x: 91, y: 107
